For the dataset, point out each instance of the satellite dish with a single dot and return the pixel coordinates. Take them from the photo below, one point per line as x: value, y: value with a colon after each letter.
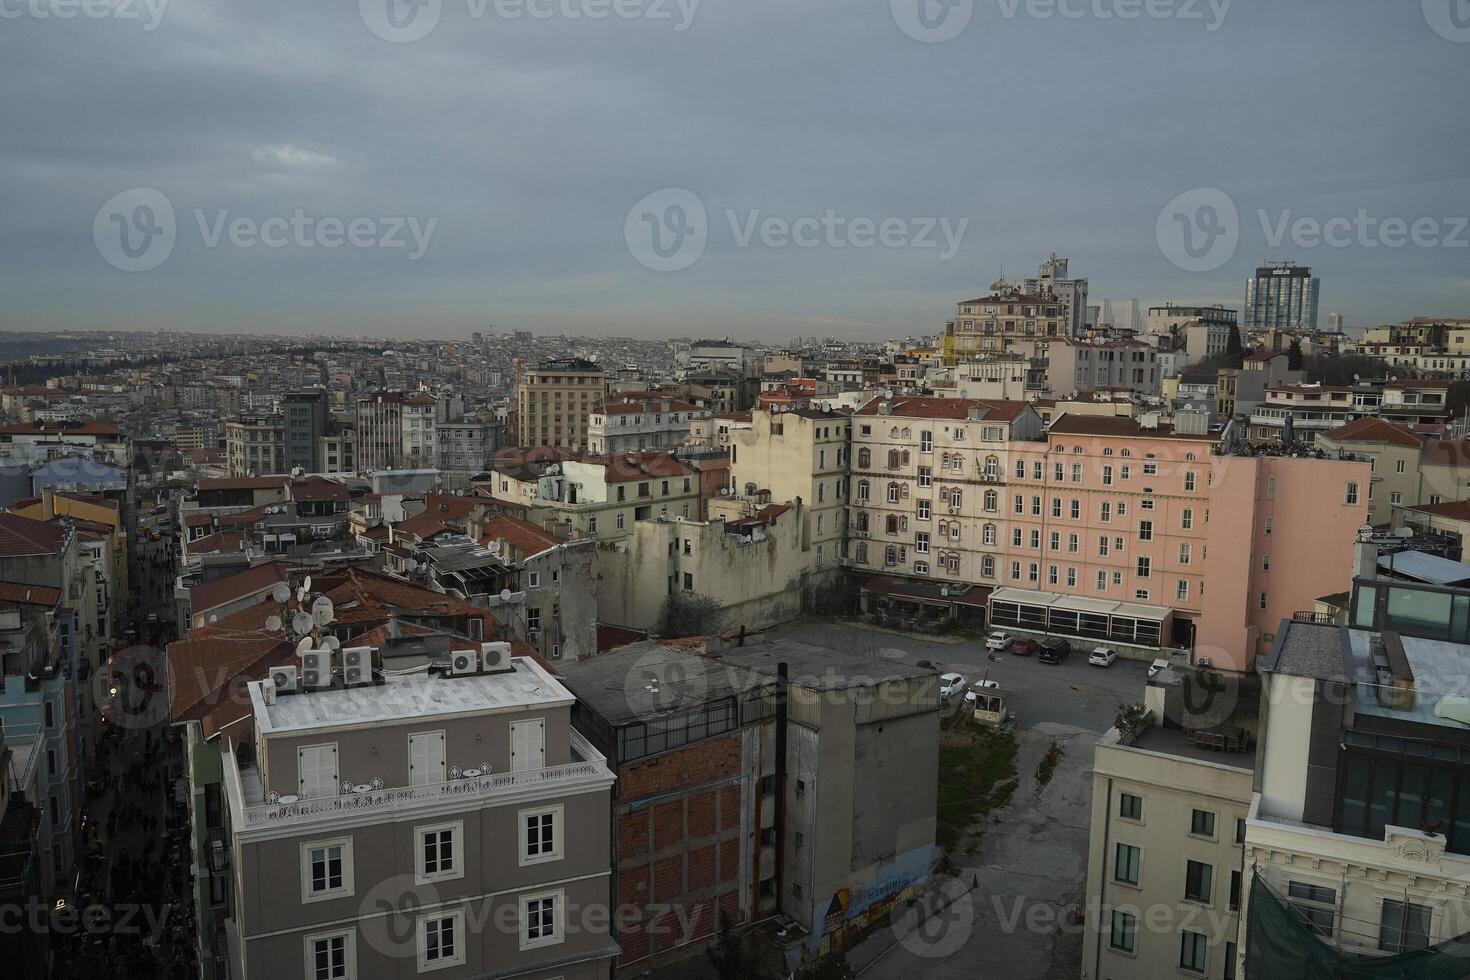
x: 505, y: 595
x: 322, y: 612
x: 306, y: 584
x: 305, y: 644
x: 272, y: 623
x: 332, y: 643
x: 281, y: 592
x: 410, y: 565
x: 211, y: 618
x: 302, y: 623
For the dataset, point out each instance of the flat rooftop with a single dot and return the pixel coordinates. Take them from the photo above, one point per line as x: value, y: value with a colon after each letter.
x: 1173, y: 741
x: 1439, y: 671
x: 1309, y: 650
x: 619, y: 685
x: 411, y: 697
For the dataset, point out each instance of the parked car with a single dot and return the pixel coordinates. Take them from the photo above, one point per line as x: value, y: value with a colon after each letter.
x: 998, y: 640
x: 1102, y: 657
x: 1157, y: 666
x: 1054, y: 651
x: 951, y: 685
x: 977, y: 687
x: 1023, y: 646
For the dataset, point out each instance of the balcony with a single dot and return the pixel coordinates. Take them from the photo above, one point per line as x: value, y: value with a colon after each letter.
x: 252, y: 808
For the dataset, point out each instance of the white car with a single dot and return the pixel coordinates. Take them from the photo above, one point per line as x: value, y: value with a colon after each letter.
x: 951, y: 685
x: 1157, y: 666
x: 999, y: 641
x: 1102, y: 657
x: 974, y: 692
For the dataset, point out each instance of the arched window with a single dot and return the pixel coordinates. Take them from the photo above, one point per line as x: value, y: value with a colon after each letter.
x: 890, y: 555
x: 992, y: 467
x: 989, y: 534
x: 865, y: 458
x: 862, y: 495
x: 1108, y: 452
x: 893, y: 493
x: 992, y: 500
x: 862, y: 521
x: 893, y: 458
x: 944, y: 529
x: 891, y: 524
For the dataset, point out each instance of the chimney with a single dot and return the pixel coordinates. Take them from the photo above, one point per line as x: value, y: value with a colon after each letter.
x: 48, y: 503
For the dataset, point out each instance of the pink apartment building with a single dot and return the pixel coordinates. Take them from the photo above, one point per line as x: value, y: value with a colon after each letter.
x: 1125, y: 531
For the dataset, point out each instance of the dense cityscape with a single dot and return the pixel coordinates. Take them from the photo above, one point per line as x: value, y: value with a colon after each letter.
x: 1107, y: 639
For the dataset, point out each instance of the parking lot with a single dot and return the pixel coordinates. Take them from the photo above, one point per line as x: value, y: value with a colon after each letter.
x: 1071, y: 693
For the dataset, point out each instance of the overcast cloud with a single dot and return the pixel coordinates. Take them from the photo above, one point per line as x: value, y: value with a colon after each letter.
x: 504, y: 154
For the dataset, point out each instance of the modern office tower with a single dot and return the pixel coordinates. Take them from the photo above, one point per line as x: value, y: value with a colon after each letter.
x: 1051, y: 279
x: 306, y: 422
x: 1282, y: 295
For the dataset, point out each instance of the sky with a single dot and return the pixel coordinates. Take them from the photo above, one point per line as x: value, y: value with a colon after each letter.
x: 754, y: 168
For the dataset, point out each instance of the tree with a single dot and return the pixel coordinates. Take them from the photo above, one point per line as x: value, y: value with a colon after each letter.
x: 1234, y: 352
x: 689, y: 614
x: 1294, y: 356
x: 731, y: 955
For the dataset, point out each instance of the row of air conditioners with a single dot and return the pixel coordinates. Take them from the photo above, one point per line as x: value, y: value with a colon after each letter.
x: 490, y: 658
x: 315, y: 672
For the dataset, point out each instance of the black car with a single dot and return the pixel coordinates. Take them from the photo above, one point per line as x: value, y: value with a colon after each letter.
x: 1054, y: 651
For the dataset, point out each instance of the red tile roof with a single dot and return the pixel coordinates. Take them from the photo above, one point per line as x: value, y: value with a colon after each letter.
x: 1456, y: 510
x: 523, y: 536
x: 23, y: 536
x: 219, y: 541
x: 1117, y: 426
x: 314, y: 488
x: 1369, y: 428
x: 29, y: 595
x: 210, y: 595
x: 944, y: 408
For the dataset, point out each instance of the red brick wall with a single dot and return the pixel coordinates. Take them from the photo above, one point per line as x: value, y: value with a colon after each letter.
x: 678, y: 855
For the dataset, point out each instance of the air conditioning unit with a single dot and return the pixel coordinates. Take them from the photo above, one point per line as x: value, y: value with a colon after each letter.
x: 283, y: 680
x: 316, y: 669
x: 495, y: 656
x: 1202, y: 661
x: 463, y: 662
x: 954, y: 510
x: 357, y: 666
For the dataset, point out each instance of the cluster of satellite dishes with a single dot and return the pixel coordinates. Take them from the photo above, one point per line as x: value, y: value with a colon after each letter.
x: 308, y: 621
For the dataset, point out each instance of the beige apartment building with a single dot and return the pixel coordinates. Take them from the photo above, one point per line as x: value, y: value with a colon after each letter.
x: 997, y: 322
x: 597, y: 496
x: 798, y: 454
x: 390, y: 824
x: 928, y: 477
x: 554, y: 401
x: 1393, y: 453
x: 1165, y: 859
x: 256, y: 446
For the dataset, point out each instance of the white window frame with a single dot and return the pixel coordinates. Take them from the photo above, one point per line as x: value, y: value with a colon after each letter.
x: 456, y: 852
x: 349, y: 952
x: 345, y: 889
x: 421, y: 940
x: 558, y: 834
x: 558, y: 912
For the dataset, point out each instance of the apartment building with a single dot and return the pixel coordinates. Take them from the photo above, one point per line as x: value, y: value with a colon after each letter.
x: 1142, y: 535
x: 640, y: 421
x: 1416, y: 402
x: 798, y: 455
x: 396, y: 430
x: 466, y: 442
x: 1087, y: 365
x: 395, y: 823
x: 597, y: 496
x: 555, y: 399
x: 53, y: 438
x: 1001, y: 320
x: 1166, y: 850
x: 305, y: 417
x: 927, y: 481
x: 710, y: 817
x: 1051, y: 279
x: 1359, y: 828
x: 255, y: 446
x: 1393, y: 454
